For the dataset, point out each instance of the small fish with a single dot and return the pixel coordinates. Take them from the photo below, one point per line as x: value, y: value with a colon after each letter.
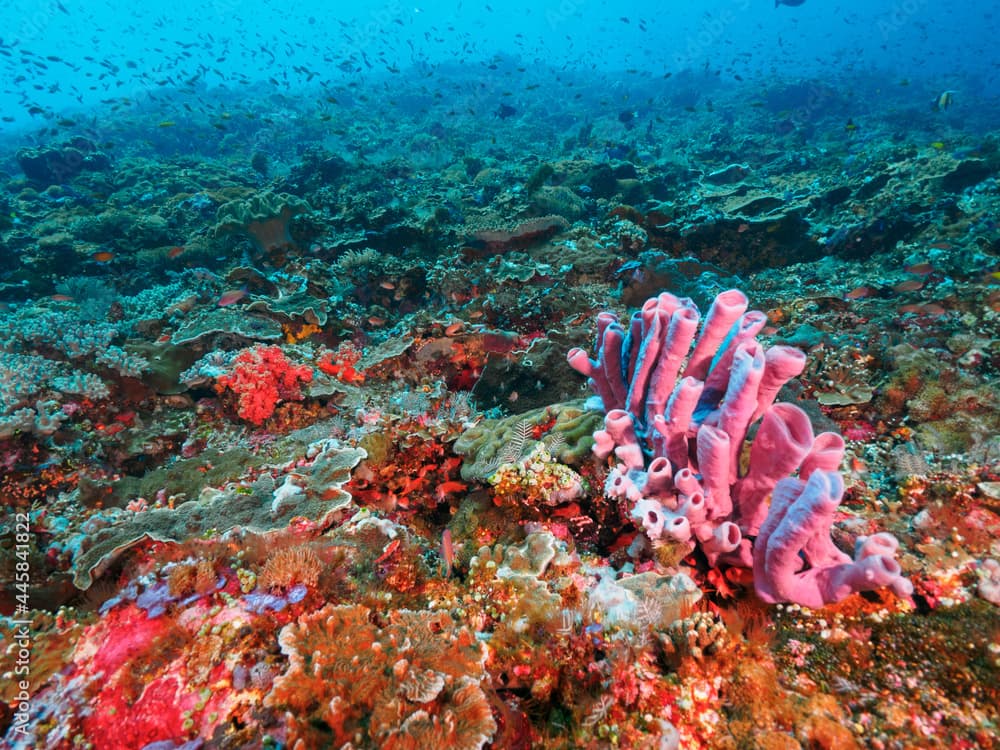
x: 920, y: 269
x: 789, y: 3
x: 447, y: 552
x: 937, y: 145
x: 944, y: 100
x: 449, y: 488
x: 61, y: 298
x: 933, y: 309
x: 176, y: 251
x: 166, y: 124
x: 232, y: 297
x: 850, y: 127
x: 504, y: 111
x: 387, y: 551
x: 103, y: 256
x: 911, y: 285
x: 860, y: 293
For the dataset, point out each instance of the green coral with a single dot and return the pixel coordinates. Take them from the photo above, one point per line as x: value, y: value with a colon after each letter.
x: 258, y: 508
x: 567, y: 430
x: 263, y: 218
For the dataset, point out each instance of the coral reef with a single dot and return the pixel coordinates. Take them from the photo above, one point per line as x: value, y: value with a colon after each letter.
x: 292, y: 453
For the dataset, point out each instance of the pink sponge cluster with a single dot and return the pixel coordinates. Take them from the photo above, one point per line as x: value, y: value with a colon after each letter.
x: 678, y: 406
x: 261, y: 377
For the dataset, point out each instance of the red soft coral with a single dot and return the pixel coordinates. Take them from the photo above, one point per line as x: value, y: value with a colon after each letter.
x: 340, y: 364
x: 261, y: 377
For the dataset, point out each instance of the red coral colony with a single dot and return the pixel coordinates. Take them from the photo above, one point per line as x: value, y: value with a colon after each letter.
x: 537, y: 406
x: 260, y: 378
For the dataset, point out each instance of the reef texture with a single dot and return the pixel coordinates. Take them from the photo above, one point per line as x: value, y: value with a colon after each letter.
x: 295, y: 451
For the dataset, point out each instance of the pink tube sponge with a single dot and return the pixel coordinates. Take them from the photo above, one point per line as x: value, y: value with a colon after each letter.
x: 794, y: 561
x: 677, y: 431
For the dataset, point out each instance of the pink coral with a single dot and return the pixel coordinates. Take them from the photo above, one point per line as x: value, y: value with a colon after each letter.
x: 678, y: 410
x: 261, y: 377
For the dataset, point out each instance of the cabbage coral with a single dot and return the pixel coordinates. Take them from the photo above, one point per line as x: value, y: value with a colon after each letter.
x: 264, y: 219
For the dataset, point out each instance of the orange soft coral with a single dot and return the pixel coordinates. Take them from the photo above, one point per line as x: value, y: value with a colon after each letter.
x: 413, y: 682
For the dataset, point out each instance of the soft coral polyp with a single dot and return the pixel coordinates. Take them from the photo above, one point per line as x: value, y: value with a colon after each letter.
x: 261, y: 377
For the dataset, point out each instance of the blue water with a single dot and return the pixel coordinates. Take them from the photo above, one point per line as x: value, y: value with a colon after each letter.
x: 72, y: 59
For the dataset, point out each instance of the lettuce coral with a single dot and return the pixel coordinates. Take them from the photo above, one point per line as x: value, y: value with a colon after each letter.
x: 264, y: 218
x: 221, y: 511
